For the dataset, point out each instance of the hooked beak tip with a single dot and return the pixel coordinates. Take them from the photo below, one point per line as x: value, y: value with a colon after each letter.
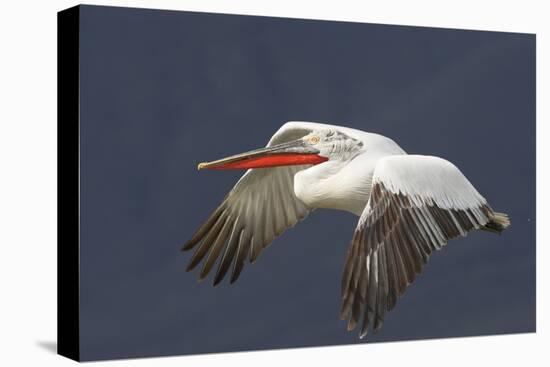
x: 202, y: 165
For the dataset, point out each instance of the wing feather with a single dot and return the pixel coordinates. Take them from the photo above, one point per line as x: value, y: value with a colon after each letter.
x: 216, y: 248
x: 417, y: 204
x: 260, y: 207
x: 229, y: 253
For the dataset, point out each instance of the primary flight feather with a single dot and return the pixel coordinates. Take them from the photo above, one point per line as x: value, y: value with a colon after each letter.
x: 408, y: 206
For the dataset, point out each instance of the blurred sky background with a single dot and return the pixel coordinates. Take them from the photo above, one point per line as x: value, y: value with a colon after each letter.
x: 162, y: 91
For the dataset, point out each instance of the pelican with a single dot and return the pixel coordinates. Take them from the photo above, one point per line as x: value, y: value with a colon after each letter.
x: 408, y: 206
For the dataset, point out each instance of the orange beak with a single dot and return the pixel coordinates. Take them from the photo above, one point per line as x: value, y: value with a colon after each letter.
x: 297, y: 152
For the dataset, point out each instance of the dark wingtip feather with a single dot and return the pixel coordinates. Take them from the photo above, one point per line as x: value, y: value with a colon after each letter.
x: 201, y: 278
x: 352, y: 323
x: 216, y: 282
x: 341, y: 314
x: 205, y: 228
x: 233, y: 279
x: 187, y: 246
x: 228, y: 256
x: 215, y: 248
x: 367, y: 315
x: 236, y: 272
x: 195, y: 260
x: 190, y: 266
x: 242, y: 252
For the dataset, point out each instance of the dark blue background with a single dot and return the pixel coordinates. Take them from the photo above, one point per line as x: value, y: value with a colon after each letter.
x: 162, y: 91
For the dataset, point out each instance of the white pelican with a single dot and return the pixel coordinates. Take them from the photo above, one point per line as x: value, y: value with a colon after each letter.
x: 408, y: 206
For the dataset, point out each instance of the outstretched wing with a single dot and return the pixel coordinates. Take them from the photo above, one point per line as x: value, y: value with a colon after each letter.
x: 260, y: 207
x: 417, y: 204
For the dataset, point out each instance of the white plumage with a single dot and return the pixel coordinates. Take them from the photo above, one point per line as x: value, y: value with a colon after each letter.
x: 408, y: 206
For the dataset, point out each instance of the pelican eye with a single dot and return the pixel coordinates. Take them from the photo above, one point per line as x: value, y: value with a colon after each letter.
x: 314, y: 139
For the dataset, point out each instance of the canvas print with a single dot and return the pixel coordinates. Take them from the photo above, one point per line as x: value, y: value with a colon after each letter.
x: 251, y: 183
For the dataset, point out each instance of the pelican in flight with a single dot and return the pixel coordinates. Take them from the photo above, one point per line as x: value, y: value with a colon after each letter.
x: 408, y: 206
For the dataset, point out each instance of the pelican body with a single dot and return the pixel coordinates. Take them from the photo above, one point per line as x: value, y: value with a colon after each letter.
x: 408, y: 206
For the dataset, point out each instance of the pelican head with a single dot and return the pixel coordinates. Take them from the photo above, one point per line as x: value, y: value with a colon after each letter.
x: 316, y: 147
x: 334, y: 144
